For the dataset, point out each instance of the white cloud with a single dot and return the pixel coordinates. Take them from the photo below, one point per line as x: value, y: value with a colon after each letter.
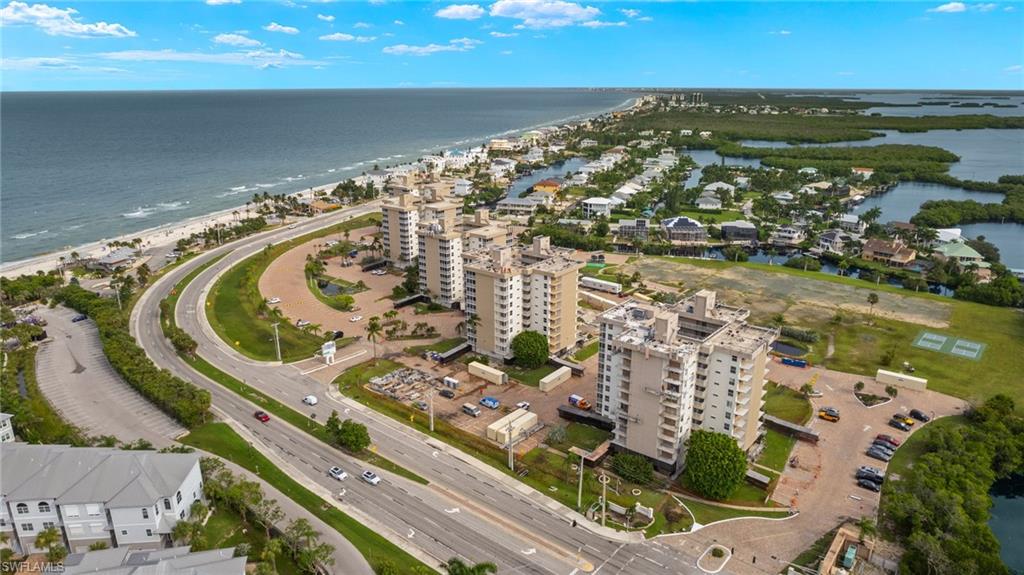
x: 1009, y: 9
x: 506, y: 52
x: 497, y: 34
x: 362, y: 25
x: 455, y: 45
x: 645, y: 19
x: 949, y: 8
x: 461, y: 12
x: 544, y: 13
x: 325, y: 17
x: 601, y: 24
x: 378, y: 2
x: 56, y: 64
x: 1015, y: 69
x: 236, y: 40
x: 59, y: 22
x: 275, y: 27
x: 986, y: 7
x: 222, y: 2
x: 399, y: 23
x: 343, y: 37
x: 256, y: 58
x: 629, y: 12
x: 780, y: 32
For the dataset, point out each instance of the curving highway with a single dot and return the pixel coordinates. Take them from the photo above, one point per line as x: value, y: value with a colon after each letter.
x: 469, y: 509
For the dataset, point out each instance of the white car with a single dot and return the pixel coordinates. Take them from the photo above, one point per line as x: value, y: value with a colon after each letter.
x: 371, y: 477
x: 337, y: 473
x: 302, y: 323
x: 274, y: 300
x: 291, y: 226
x: 379, y: 272
x: 310, y: 400
x: 355, y: 318
x: 524, y: 405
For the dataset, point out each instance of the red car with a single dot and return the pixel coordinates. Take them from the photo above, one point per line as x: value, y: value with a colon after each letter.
x: 262, y: 416
x: 888, y: 439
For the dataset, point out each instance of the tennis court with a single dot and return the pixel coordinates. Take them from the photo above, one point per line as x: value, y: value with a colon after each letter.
x: 949, y: 345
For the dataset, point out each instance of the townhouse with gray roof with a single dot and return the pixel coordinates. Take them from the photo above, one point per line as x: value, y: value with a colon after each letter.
x: 92, y: 494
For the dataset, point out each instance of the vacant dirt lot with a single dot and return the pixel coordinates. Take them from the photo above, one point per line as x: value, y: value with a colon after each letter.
x: 767, y: 293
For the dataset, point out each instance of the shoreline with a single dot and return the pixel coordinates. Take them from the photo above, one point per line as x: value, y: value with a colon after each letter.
x: 169, y: 233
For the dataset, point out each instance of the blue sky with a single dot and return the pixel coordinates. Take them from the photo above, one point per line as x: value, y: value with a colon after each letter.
x: 209, y: 44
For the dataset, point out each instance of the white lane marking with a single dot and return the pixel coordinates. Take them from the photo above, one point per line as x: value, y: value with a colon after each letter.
x: 829, y: 387
x: 529, y: 551
x: 412, y: 532
x: 867, y: 427
x: 434, y: 454
x: 452, y: 510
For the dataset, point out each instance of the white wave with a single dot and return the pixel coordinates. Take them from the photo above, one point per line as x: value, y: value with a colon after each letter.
x: 138, y: 213
x: 331, y: 171
x: 27, y: 235
x: 267, y: 185
x: 171, y: 206
x: 238, y: 189
x: 74, y: 227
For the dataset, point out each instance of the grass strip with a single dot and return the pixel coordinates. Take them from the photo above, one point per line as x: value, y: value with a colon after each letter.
x: 220, y: 439
x: 706, y: 514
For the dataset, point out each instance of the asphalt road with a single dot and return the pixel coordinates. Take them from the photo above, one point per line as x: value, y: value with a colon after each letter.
x: 469, y: 510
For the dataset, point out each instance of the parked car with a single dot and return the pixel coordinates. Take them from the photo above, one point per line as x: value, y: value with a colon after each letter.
x: 421, y: 405
x: 370, y: 477
x: 79, y: 317
x: 871, y: 471
x: 814, y: 393
x: 869, y: 485
x: 920, y: 415
x: 898, y: 424
x: 877, y: 478
x: 355, y: 318
x: 829, y: 414
x: 447, y: 393
x: 878, y: 454
x: 302, y: 323
x: 524, y: 405
x: 337, y: 473
x: 262, y: 416
x: 883, y: 446
x: 274, y: 300
x: 889, y: 439
x: 490, y: 402
x: 904, y: 418
x: 310, y: 400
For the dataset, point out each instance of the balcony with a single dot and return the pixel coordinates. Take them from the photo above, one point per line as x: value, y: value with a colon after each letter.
x: 742, y: 412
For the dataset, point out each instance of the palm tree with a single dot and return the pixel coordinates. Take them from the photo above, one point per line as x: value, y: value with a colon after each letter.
x: 456, y: 566
x: 373, y: 331
x: 48, y: 538
x: 872, y: 300
x: 843, y: 266
x: 272, y: 549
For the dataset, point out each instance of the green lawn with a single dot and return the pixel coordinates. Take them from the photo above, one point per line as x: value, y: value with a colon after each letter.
x: 587, y: 350
x: 233, y: 304
x: 439, y: 346
x: 583, y: 436
x: 787, y: 404
x: 776, y: 451
x: 706, y: 514
x: 915, y: 445
x: 220, y: 439
x: 529, y: 377
x: 225, y: 528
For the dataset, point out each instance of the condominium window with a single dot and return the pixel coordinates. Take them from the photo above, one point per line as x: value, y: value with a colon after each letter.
x: 22, y: 509
x: 149, y: 533
x: 48, y: 524
x: 124, y: 532
x: 145, y: 513
x: 44, y: 507
x: 27, y: 527
x: 167, y: 504
x: 178, y: 497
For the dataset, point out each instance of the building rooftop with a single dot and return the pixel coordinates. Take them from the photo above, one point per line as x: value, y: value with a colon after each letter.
x: 113, y: 477
x: 173, y: 561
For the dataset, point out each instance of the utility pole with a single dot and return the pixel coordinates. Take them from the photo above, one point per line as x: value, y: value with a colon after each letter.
x: 277, y: 341
x: 579, y: 493
x: 511, y: 455
x: 432, y: 393
x: 117, y: 294
x: 604, y: 499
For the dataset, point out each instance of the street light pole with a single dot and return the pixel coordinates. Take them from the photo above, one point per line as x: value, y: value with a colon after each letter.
x: 604, y: 499
x: 511, y: 456
x: 579, y: 494
x: 432, y: 393
x: 277, y: 342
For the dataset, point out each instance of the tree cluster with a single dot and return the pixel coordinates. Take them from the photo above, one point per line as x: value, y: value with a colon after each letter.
x: 350, y: 435
x: 530, y: 349
x: 715, y: 465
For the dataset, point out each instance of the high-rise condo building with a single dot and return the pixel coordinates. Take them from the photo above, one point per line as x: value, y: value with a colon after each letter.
x: 666, y: 370
x: 512, y: 289
x: 398, y: 228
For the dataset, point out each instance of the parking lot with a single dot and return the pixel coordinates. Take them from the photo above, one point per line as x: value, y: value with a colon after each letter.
x: 77, y: 379
x: 822, y: 486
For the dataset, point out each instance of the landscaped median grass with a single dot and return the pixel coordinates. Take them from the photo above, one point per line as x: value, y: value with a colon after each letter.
x: 234, y: 305
x: 221, y: 440
x: 267, y: 403
x: 706, y: 514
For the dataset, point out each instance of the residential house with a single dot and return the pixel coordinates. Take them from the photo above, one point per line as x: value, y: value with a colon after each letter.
x: 534, y: 156
x: 704, y: 135
x: 863, y: 173
x: 518, y: 206
x: 6, y: 428
x: 708, y: 202
x: 501, y: 145
x: 963, y: 254
x: 895, y: 253
x: 502, y: 167
x: 550, y: 185
x: 636, y: 228
x: 742, y: 182
x: 595, y: 207
x: 787, y: 236
x: 588, y: 143
x: 685, y: 133
x: 836, y: 242
x: 379, y: 178
x: 684, y: 229
x: 783, y: 197
x: 739, y: 231
x: 808, y: 171
x: 119, y: 258
x: 851, y: 223
x: 719, y: 187
x: 463, y: 187
x: 95, y: 494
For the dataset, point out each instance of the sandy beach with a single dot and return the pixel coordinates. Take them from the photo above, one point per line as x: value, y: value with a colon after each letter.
x: 157, y: 237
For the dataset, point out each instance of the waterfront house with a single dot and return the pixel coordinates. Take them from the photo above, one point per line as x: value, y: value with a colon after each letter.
x: 851, y: 223
x: 379, y: 178
x: 836, y: 242
x: 596, y: 207
x: 95, y: 494
x: 462, y: 188
x: 838, y: 189
x: 704, y: 135
x: 119, y: 258
x: 556, y: 147
x: 863, y: 173
x: 947, y: 235
x: 742, y: 183
x: 808, y: 171
x: 542, y: 198
x: 783, y: 197
x: 6, y: 428
x: 787, y: 236
x: 895, y: 253
x: 588, y: 143
x: 534, y: 156
x: 720, y: 186
x: 684, y: 229
x: 708, y: 203
x: 963, y: 254
x: 739, y: 231
x: 501, y: 145
x: 518, y: 206
x: 550, y: 185
x: 502, y: 167
x: 637, y: 228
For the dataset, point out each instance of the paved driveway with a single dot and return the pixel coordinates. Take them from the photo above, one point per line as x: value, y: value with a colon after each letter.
x: 77, y: 379
x: 822, y: 486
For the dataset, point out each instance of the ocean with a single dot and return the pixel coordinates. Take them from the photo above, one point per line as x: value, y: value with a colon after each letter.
x: 78, y: 167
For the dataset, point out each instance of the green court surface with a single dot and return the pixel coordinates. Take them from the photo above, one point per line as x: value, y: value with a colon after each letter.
x: 949, y: 345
